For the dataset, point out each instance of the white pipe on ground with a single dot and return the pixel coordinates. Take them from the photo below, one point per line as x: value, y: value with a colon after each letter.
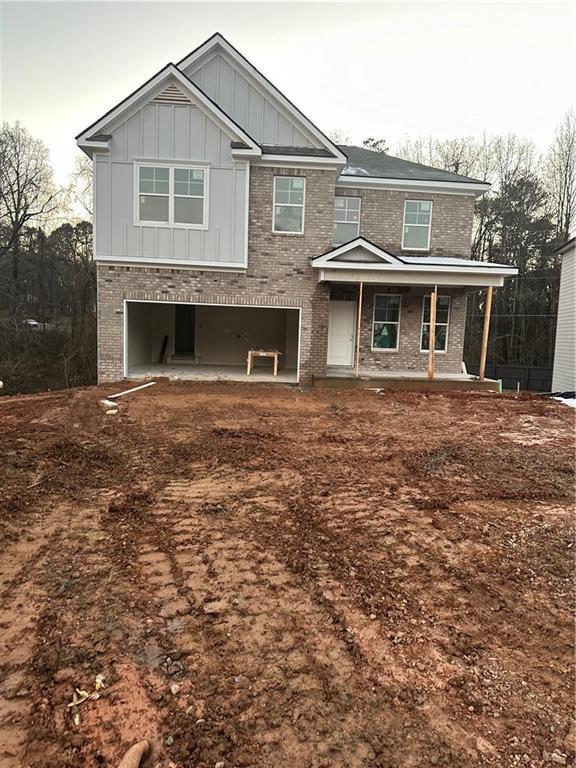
x: 129, y: 391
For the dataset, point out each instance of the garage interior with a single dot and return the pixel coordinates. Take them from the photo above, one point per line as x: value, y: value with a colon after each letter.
x: 207, y: 341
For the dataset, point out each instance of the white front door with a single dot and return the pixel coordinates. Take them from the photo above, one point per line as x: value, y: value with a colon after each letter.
x: 341, y: 325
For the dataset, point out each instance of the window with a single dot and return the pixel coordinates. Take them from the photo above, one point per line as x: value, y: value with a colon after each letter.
x: 172, y: 196
x: 417, y: 225
x: 346, y: 219
x: 386, y: 322
x: 154, y: 189
x: 289, y: 204
x: 442, y: 318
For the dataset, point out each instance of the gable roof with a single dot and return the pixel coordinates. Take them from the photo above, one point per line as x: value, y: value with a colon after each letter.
x: 381, y: 259
x: 372, y: 250
x: 97, y: 134
x: 367, y: 164
x: 217, y: 42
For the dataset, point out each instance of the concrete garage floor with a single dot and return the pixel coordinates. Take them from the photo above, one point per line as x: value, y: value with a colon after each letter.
x: 261, y: 374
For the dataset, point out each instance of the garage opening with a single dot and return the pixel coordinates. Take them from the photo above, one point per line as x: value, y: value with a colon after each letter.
x: 207, y: 341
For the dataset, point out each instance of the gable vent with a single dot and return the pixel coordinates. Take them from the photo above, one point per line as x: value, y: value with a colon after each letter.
x: 172, y: 95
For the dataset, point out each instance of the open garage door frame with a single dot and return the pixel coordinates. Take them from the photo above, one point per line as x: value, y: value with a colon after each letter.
x: 203, y: 304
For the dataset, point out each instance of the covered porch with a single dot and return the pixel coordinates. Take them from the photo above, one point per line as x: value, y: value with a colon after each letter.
x: 399, y: 322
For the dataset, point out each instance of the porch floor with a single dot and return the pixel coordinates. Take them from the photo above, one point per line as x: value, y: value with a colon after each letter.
x: 409, y: 380
x: 211, y: 373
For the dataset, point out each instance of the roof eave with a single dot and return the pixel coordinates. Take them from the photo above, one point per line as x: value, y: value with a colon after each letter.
x: 428, y: 185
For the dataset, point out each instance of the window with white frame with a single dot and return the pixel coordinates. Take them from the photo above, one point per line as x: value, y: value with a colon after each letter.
x: 417, y: 225
x: 442, y: 321
x: 386, y: 321
x: 289, y: 194
x: 346, y: 219
x: 169, y: 195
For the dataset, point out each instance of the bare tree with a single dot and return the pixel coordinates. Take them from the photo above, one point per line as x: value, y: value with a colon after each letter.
x: 376, y: 145
x: 27, y: 191
x: 80, y: 190
x: 459, y: 155
x: 338, y: 136
x: 560, y: 175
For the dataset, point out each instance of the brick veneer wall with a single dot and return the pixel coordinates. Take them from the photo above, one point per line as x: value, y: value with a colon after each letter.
x: 408, y: 357
x: 278, y: 274
x: 382, y: 220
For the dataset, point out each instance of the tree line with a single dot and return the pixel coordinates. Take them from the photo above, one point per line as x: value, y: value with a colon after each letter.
x: 48, y: 282
x: 47, y: 274
x: 529, y: 211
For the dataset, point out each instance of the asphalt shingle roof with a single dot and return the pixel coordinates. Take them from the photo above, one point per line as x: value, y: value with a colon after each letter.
x: 366, y: 163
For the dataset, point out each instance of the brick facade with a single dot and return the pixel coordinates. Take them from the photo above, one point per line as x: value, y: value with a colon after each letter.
x: 408, y: 356
x: 279, y: 274
x: 382, y: 220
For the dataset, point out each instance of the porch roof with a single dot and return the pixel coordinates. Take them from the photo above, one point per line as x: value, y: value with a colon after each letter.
x: 363, y: 261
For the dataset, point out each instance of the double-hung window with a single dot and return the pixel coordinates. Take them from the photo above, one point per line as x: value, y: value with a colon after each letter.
x: 346, y: 219
x: 288, y: 214
x: 441, y: 325
x: 172, y: 196
x: 417, y: 225
x: 386, y: 321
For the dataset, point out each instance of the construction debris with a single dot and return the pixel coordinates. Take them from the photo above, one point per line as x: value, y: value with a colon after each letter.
x: 129, y: 391
x: 80, y: 696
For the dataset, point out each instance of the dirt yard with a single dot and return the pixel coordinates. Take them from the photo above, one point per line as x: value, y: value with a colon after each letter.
x: 271, y: 577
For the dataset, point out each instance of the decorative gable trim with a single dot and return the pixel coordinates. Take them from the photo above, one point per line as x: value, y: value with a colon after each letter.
x: 218, y: 41
x: 172, y: 95
x: 375, y: 256
x: 88, y: 140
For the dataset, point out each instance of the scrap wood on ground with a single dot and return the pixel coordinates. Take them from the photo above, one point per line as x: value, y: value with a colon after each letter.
x: 267, y: 576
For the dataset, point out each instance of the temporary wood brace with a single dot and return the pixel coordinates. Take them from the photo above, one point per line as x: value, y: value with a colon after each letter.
x: 358, y: 323
x: 432, y: 333
x: 485, y: 333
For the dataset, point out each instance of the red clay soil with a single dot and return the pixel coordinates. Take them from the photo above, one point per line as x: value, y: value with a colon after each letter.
x: 273, y: 577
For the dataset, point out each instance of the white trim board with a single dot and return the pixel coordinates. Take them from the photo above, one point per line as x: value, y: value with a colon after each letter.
x: 414, y: 185
x: 401, y: 277
x: 126, y: 261
x: 125, y: 302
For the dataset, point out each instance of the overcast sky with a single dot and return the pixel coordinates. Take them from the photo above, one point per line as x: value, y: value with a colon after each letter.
x: 370, y: 69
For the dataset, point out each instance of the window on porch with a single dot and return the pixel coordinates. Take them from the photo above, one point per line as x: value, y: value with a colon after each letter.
x: 442, y: 320
x: 386, y: 322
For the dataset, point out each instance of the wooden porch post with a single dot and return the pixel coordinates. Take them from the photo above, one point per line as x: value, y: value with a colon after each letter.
x: 432, y: 333
x: 358, y: 320
x: 485, y: 332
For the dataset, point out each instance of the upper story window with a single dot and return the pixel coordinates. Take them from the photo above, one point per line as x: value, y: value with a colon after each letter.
x: 441, y: 325
x: 386, y: 321
x: 172, y: 196
x: 346, y: 219
x: 417, y: 225
x: 289, y: 192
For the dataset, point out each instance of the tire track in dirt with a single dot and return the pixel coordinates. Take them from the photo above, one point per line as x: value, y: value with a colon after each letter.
x: 262, y: 677
x: 21, y: 602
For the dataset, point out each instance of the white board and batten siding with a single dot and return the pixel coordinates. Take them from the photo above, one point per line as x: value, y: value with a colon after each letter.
x: 171, y: 128
x: 246, y: 103
x: 564, y: 374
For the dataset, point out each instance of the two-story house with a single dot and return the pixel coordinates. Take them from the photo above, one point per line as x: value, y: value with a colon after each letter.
x: 225, y: 221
